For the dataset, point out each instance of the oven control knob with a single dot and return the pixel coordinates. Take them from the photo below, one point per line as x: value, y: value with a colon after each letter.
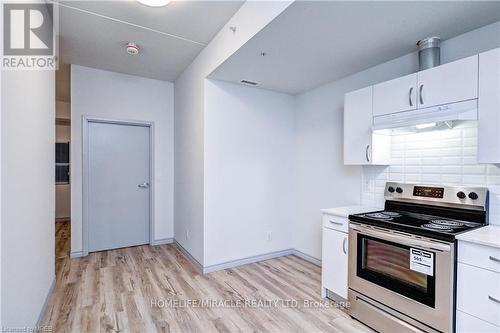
x: 390, y: 189
x: 399, y: 190
x: 473, y: 195
x: 461, y: 195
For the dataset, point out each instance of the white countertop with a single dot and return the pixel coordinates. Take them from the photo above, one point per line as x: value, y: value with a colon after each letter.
x: 345, y: 211
x: 488, y: 235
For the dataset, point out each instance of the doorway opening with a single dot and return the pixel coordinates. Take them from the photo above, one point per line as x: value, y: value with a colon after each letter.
x: 62, y: 165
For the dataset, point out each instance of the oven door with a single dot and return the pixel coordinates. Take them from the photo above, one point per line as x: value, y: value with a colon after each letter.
x: 412, y: 276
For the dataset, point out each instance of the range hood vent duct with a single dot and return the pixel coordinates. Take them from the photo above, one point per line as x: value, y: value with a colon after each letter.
x: 429, y: 52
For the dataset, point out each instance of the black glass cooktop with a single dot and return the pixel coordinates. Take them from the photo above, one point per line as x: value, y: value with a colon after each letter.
x: 433, y: 226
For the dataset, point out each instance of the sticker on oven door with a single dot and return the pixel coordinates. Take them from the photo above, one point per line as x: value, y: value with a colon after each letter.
x: 422, y: 261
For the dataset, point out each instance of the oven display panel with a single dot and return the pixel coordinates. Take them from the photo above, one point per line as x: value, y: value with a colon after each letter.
x: 428, y: 192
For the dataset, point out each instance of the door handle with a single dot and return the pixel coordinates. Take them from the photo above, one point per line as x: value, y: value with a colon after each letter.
x: 337, y: 223
x: 410, y: 101
x: 491, y: 298
x: 344, y: 242
x: 494, y: 259
x: 143, y: 185
x: 366, y: 153
x: 420, y: 94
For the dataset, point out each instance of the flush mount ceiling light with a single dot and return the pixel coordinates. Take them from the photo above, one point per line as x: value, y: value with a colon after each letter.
x: 154, y: 3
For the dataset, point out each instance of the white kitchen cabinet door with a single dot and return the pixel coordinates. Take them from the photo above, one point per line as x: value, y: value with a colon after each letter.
x: 489, y: 107
x: 358, y: 120
x: 361, y: 145
x: 395, y: 95
x: 334, y: 262
x: 470, y: 324
x: 453, y: 82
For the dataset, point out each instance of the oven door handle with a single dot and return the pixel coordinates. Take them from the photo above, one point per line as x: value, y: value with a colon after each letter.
x: 404, y: 240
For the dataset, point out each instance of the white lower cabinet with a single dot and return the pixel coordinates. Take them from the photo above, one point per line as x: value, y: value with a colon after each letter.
x: 470, y: 324
x: 478, y: 288
x: 334, y: 262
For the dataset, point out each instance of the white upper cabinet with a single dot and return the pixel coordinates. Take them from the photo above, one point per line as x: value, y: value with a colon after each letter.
x: 453, y: 82
x: 489, y: 107
x: 395, y: 95
x: 358, y: 120
x: 361, y: 145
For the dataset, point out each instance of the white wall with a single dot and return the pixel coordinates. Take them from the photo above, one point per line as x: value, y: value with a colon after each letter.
x: 189, y: 122
x: 27, y: 194
x: 249, y: 171
x: 118, y: 96
x: 324, y: 180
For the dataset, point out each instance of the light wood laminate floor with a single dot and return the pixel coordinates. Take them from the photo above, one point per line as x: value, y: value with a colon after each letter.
x: 128, y: 290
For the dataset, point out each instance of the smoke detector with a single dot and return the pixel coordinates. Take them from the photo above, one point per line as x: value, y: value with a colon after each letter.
x: 132, y: 48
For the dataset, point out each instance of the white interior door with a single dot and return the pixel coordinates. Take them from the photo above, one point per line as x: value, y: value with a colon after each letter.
x: 118, y: 185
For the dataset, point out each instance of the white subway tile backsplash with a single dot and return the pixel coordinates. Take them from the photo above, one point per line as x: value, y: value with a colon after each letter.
x: 451, y: 179
x: 470, y: 142
x: 432, y: 152
x: 453, y: 143
x: 474, y: 180
x: 474, y: 169
x: 396, y: 177
x: 469, y: 160
x: 469, y: 132
x: 452, y: 169
x: 447, y: 157
x: 451, y: 160
x: 431, y: 178
x: 412, y: 169
x: 411, y: 161
x: 451, y: 152
x: 431, y: 169
x: 430, y: 160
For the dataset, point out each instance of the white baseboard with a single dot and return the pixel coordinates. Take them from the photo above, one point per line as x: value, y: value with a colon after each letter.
x: 76, y: 254
x: 307, y: 257
x: 189, y: 256
x: 163, y: 241
x: 46, y: 303
x: 244, y: 261
x: 228, y: 264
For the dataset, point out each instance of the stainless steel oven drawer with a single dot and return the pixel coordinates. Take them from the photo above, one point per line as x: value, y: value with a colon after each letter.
x: 382, y: 318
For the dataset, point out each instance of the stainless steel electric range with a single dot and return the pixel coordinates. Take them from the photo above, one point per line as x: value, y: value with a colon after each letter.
x: 402, y: 260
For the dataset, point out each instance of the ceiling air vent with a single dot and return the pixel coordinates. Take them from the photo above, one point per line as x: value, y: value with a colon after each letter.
x: 249, y: 82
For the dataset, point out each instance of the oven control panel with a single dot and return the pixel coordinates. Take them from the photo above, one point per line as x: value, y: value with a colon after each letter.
x: 455, y: 196
x: 428, y: 192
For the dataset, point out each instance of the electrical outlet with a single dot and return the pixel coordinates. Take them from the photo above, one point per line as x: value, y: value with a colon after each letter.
x: 187, y: 234
x: 269, y: 236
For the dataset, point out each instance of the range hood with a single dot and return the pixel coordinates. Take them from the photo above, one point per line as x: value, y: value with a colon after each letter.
x: 466, y: 110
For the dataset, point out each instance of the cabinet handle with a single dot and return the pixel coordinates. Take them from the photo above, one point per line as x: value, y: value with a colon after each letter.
x: 491, y: 298
x: 420, y: 94
x: 344, y: 242
x: 366, y: 153
x: 409, y: 96
x: 337, y: 223
x: 494, y: 259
